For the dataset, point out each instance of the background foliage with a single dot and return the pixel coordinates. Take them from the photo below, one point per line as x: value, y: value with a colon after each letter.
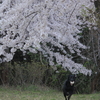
x: 37, y: 72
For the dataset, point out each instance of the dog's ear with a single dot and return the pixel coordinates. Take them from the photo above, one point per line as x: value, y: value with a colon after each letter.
x: 68, y: 77
x: 75, y: 75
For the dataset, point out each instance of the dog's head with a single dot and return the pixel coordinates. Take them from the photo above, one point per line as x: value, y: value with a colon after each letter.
x: 71, y: 79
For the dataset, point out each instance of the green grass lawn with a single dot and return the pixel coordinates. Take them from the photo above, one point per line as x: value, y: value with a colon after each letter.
x: 40, y: 93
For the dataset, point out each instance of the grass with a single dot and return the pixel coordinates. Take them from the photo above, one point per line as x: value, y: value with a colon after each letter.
x: 40, y: 93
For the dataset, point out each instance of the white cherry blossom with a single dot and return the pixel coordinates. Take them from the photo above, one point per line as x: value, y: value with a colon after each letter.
x: 25, y: 24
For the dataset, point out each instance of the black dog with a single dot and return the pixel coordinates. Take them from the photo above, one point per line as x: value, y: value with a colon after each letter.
x: 68, y: 87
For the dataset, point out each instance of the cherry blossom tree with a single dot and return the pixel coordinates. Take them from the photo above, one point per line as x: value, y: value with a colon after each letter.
x: 43, y: 25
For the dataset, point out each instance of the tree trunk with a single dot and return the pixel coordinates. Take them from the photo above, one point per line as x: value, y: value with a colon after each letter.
x: 95, y: 83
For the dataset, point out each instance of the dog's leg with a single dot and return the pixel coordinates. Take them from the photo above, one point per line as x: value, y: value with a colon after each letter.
x: 69, y: 97
x: 65, y: 97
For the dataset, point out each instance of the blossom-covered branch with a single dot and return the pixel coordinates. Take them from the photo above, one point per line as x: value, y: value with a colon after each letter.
x: 25, y: 24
